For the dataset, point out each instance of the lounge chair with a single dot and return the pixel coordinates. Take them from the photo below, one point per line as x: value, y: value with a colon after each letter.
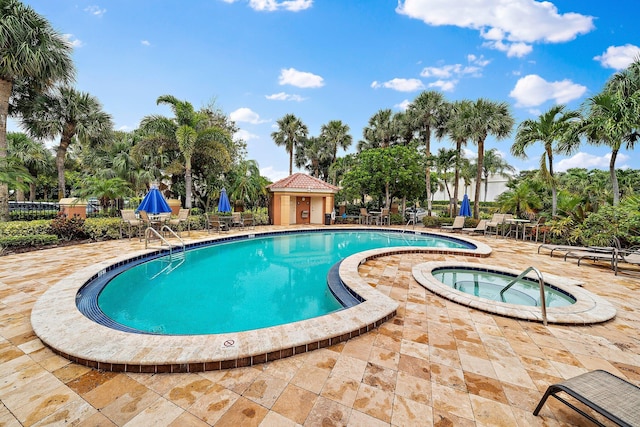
x: 458, y: 224
x: 183, y: 217
x: 598, y: 253
x: 131, y: 221
x: 562, y: 248
x: 482, y: 225
x: 628, y: 256
x: 612, y: 397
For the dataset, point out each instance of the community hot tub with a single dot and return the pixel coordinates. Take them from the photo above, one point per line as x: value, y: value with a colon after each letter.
x: 479, y: 286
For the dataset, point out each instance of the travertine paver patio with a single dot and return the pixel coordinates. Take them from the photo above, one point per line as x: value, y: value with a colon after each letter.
x: 436, y: 363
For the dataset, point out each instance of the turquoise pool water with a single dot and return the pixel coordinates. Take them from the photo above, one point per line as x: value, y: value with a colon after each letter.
x: 242, y: 285
x: 488, y: 285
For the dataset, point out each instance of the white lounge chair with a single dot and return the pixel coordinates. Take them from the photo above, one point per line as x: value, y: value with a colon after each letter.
x: 458, y: 224
x: 480, y: 228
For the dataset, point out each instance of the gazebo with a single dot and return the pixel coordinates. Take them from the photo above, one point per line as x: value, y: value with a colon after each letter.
x: 300, y: 199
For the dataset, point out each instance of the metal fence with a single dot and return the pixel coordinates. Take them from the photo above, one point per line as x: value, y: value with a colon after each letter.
x: 25, y: 211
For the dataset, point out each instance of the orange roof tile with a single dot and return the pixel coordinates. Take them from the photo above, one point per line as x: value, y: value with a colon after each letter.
x: 301, y: 181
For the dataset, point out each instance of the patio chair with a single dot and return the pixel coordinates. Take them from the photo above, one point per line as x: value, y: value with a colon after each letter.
x: 610, y: 396
x: 482, y: 225
x: 534, y: 228
x: 215, y: 223
x: 627, y: 256
x: 365, y: 217
x: 494, y: 226
x: 385, y: 217
x: 248, y: 220
x: 236, y: 219
x: 183, y: 217
x: 131, y: 221
x: 458, y: 224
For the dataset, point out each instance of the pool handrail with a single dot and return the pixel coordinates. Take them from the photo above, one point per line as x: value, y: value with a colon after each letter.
x: 165, y: 228
x: 543, y: 303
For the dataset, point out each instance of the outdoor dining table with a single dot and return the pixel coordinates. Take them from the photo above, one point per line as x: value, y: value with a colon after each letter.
x: 375, y: 217
x: 516, y: 223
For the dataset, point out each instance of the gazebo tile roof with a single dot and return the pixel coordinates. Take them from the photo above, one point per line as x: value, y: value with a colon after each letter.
x: 301, y: 181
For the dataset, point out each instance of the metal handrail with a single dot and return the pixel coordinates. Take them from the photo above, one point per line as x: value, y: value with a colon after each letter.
x: 543, y: 303
x: 162, y: 239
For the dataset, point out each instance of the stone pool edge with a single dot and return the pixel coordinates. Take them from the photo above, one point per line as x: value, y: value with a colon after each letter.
x: 59, y: 324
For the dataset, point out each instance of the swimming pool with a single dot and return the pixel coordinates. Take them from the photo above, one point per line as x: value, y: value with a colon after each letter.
x: 242, y: 285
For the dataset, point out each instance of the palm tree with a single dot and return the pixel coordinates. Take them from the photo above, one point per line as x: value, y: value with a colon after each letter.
x: 426, y: 113
x: 493, y: 164
x: 614, y: 117
x: 443, y: 162
x: 246, y: 183
x: 380, y: 131
x: 455, y: 128
x: 34, y: 58
x: 33, y: 155
x: 68, y: 114
x: 291, y: 132
x: 315, y: 156
x: 336, y: 135
x: 189, y: 131
x: 554, y: 126
x: 486, y: 118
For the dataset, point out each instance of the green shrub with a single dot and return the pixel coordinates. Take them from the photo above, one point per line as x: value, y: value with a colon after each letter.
x: 25, y: 228
x: 68, y: 228
x: 396, y: 219
x: 30, y: 240
x: 102, y: 228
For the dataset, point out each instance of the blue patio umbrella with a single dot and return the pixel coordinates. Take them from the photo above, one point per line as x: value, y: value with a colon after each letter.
x: 223, y: 204
x: 465, y: 207
x: 154, y: 203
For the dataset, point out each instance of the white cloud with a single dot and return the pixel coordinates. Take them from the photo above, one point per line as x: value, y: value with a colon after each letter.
x: 510, y: 26
x: 245, y: 135
x: 401, y: 85
x: 444, y: 85
x: 273, y: 174
x: 246, y: 115
x: 618, y: 57
x: 293, y: 77
x: 75, y: 43
x: 533, y: 90
x: 403, y: 105
x: 273, y: 5
x: 95, y: 10
x: 283, y: 96
x: 145, y: 42
x: 589, y: 161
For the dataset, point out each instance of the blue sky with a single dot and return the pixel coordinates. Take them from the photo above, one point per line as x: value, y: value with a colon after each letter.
x: 343, y: 60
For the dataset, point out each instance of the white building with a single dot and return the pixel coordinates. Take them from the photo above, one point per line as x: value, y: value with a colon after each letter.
x: 497, y: 185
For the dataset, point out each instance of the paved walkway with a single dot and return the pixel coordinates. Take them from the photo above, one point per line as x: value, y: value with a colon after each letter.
x: 435, y: 364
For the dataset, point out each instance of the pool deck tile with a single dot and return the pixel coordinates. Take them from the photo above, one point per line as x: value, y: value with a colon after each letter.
x: 407, y: 371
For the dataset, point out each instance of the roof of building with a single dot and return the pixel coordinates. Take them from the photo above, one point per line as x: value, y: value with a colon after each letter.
x: 300, y: 181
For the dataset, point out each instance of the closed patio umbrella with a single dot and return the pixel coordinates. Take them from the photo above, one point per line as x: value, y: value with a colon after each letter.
x: 154, y: 202
x: 465, y: 207
x: 223, y: 204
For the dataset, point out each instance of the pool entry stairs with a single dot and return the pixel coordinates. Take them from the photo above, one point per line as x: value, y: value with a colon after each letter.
x: 161, y: 238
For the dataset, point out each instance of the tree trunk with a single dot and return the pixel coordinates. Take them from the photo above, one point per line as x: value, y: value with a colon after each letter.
x: 456, y: 184
x: 20, y: 191
x: 6, y: 87
x: 427, y: 142
x: 486, y: 187
x: 476, y: 202
x: 291, y: 162
x: 32, y: 192
x: 187, y: 183
x: 614, y: 178
x: 65, y: 141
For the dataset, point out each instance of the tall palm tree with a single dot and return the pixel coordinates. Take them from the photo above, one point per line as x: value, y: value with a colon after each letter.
x: 455, y: 128
x: 613, y: 118
x: 68, y: 114
x: 34, y: 57
x: 426, y: 112
x: 380, y: 131
x: 336, y: 135
x: 555, y: 130
x: 291, y: 132
x: 246, y: 183
x: 315, y: 156
x: 487, y: 118
x: 493, y: 164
